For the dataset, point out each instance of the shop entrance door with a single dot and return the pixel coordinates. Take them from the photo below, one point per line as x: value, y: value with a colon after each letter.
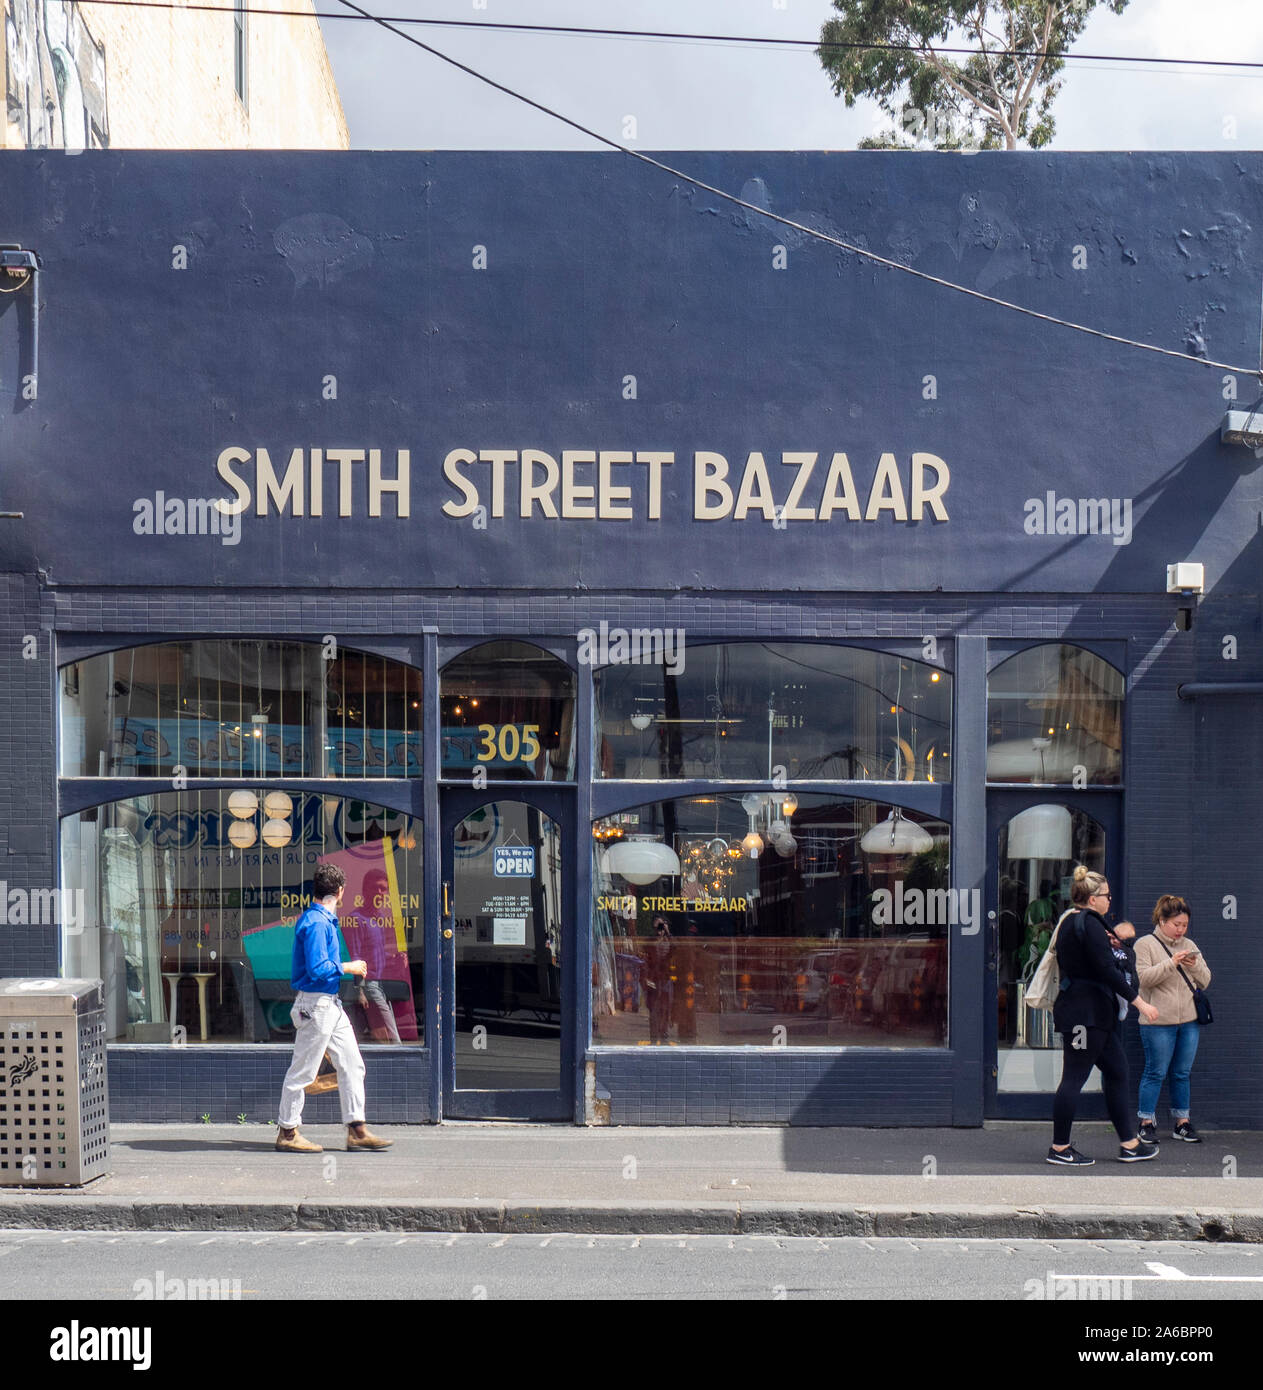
x: 507, y: 995
x: 1035, y: 839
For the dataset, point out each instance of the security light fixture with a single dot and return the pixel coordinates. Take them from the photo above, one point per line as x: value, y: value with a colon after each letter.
x: 18, y: 264
x: 1186, y: 577
x: 1243, y: 427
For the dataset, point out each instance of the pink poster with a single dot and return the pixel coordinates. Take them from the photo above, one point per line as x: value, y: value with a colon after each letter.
x: 373, y: 923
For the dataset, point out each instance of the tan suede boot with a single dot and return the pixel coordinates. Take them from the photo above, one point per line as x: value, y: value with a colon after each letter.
x: 290, y: 1141
x: 365, y: 1139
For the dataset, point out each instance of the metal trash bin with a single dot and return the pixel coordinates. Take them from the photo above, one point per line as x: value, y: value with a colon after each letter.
x: 54, y: 1101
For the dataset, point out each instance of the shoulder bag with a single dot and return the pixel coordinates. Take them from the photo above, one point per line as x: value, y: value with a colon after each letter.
x: 1200, y: 1000
x: 1046, y: 982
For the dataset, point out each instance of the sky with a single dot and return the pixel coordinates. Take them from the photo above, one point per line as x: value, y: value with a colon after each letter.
x: 689, y: 95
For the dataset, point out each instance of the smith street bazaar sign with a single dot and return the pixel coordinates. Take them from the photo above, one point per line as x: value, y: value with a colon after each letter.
x: 588, y: 484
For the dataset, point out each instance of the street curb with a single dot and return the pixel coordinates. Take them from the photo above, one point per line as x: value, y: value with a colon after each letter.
x: 489, y: 1216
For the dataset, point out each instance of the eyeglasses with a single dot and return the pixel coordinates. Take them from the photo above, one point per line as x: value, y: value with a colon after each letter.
x: 1104, y: 895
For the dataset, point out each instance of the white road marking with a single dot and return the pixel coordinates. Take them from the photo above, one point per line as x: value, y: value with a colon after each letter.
x: 1167, y: 1278
x: 1165, y: 1271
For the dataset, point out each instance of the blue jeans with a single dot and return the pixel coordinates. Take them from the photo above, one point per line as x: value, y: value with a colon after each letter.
x: 1168, y: 1047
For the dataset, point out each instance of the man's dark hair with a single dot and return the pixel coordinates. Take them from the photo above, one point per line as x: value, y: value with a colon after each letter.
x: 326, y: 881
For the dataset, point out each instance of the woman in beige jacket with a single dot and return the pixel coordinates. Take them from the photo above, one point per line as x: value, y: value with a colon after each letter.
x: 1170, y: 1041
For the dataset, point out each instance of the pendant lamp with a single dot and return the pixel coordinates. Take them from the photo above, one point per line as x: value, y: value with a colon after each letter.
x: 896, y: 835
x: 641, y: 859
x: 1040, y: 832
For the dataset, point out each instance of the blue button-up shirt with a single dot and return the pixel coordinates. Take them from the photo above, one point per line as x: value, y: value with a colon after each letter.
x: 317, y: 961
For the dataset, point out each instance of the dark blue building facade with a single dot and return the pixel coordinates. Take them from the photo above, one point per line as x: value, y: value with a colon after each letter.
x: 706, y: 650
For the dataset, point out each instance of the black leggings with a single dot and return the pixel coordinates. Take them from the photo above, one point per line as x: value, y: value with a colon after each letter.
x: 1103, y: 1049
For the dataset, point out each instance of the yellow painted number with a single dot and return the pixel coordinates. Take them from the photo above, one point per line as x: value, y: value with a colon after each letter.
x: 507, y: 744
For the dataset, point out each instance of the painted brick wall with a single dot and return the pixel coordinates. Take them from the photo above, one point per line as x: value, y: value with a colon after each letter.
x: 170, y: 79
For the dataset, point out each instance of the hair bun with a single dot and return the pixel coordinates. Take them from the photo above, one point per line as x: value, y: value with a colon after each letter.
x: 1081, y: 872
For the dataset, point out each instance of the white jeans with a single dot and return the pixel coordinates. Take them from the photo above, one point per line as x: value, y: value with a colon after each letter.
x: 322, y: 1026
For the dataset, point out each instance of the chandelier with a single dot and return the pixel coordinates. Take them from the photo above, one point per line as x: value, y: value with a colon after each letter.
x: 710, y: 864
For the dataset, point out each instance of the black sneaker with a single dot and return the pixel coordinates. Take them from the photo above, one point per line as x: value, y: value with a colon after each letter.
x: 1148, y: 1132
x: 1071, y: 1157
x: 1141, y: 1152
x: 1184, y: 1130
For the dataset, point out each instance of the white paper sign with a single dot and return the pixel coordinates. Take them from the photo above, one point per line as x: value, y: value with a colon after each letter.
x: 509, y: 931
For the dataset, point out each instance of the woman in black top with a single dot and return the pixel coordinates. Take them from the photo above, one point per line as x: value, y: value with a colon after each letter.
x: 1095, y: 991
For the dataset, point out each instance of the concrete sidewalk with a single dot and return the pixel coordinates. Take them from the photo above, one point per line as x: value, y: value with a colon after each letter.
x: 553, y: 1178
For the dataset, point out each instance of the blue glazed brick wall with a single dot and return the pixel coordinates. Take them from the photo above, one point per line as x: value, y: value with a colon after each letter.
x: 27, y: 789
x: 178, y: 1085
x: 670, y: 1087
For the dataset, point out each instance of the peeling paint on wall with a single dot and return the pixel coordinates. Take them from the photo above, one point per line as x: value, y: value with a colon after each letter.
x: 55, y: 93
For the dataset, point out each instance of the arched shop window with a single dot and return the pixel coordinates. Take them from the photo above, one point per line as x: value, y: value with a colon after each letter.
x: 1055, y: 716
x: 805, y: 920
x: 240, y: 708
x: 508, y: 707
x: 184, y: 903
x: 741, y: 709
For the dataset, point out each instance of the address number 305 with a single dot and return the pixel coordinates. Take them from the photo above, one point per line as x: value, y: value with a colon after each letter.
x: 511, y: 743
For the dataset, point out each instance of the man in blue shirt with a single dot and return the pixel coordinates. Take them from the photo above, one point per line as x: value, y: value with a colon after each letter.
x: 320, y: 1023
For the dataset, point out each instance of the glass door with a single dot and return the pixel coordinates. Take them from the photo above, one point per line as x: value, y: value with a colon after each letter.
x: 508, y: 1002
x: 1035, y: 840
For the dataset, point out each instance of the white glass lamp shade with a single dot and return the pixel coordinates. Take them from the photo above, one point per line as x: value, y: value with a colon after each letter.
x: 276, y: 833
x: 278, y: 806
x: 640, y: 859
x: 243, y: 805
x: 641, y: 721
x: 752, y: 803
x: 1040, y: 832
x: 242, y: 834
x: 789, y: 805
x: 785, y: 845
x: 896, y: 835
x: 753, y: 844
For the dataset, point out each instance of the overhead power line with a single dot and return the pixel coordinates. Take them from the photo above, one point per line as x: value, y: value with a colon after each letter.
x: 755, y: 40
x: 789, y: 222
